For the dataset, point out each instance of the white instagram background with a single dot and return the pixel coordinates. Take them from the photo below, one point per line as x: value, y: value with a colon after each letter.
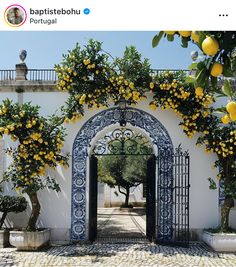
x: 131, y: 15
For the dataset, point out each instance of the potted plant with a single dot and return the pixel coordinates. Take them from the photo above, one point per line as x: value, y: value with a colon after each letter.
x: 40, y: 142
x: 223, y: 238
x: 9, y: 204
x: 216, y: 64
x: 221, y: 139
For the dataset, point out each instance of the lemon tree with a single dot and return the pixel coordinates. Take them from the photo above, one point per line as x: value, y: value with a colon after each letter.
x: 219, y: 59
x: 218, y: 135
x: 94, y: 79
x: 219, y: 52
x: 40, y: 141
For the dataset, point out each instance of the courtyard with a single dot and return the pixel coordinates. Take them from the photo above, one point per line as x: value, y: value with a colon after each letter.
x: 123, y: 180
x: 121, y: 242
x: 121, y: 255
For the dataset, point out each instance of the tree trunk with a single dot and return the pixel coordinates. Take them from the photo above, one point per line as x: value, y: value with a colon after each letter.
x: 228, y: 174
x: 35, y: 211
x: 127, y: 197
x: 225, y: 209
x: 4, y: 215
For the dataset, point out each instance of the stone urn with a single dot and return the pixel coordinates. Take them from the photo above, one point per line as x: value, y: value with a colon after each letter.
x: 4, y: 238
x: 220, y: 242
x: 25, y: 240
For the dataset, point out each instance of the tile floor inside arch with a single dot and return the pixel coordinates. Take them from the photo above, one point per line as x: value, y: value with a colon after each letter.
x: 119, y: 224
x: 138, y: 252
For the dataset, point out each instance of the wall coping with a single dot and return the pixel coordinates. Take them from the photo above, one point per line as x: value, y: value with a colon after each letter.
x: 27, y: 86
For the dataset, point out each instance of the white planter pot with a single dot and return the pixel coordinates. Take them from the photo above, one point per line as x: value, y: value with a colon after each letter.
x: 4, y: 238
x: 221, y: 242
x: 24, y: 240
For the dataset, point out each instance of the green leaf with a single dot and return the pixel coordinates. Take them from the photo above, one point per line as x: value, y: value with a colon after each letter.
x: 201, y: 77
x: 201, y: 65
x: 221, y: 110
x: 227, y: 69
x: 193, y: 66
x: 170, y: 37
x: 212, y: 185
x: 202, y: 37
x: 213, y: 82
x: 227, y: 72
x: 156, y: 39
x: 227, y: 89
x: 190, y: 79
x: 184, y: 42
x: 219, y: 95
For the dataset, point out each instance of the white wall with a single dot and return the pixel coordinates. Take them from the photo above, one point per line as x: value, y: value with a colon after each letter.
x: 56, y: 207
x: 111, y: 197
x: 203, y: 201
x: 12, y: 96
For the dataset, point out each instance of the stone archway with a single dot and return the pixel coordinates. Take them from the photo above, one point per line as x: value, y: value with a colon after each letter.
x: 88, y: 131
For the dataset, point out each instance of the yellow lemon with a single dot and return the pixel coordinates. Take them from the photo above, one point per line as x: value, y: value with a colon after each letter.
x: 169, y: 32
x: 231, y: 107
x: 152, y: 106
x: 233, y: 116
x: 195, y: 36
x: 210, y: 46
x: 152, y: 85
x: 216, y: 69
x: 199, y: 91
x: 225, y: 119
x: 185, y: 33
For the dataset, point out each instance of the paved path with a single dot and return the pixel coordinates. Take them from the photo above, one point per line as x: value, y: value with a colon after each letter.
x: 121, y: 223
x: 120, y: 255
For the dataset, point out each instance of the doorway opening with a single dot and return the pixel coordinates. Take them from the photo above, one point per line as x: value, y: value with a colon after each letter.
x: 122, y: 171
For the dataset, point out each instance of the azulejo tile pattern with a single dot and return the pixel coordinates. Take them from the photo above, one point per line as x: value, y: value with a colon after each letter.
x: 93, y: 126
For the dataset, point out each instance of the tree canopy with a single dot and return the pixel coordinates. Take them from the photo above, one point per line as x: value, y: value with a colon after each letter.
x: 124, y: 171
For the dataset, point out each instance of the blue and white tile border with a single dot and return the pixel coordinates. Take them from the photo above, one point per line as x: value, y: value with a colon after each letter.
x: 89, y: 130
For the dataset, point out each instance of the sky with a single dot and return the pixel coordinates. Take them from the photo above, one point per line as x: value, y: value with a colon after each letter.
x: 45, y: 49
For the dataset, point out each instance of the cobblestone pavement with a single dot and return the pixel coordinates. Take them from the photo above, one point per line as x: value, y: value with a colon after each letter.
x: 121, y: 255
x: 122, y: 223
x: 125, y: 251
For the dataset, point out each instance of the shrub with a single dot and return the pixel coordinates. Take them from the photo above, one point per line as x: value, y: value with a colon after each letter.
x: 11, y: 204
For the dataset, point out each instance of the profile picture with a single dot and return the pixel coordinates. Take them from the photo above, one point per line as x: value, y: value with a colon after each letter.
x: 15, y: 15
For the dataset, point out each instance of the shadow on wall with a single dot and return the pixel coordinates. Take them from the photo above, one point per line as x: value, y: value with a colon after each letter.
x: 55, y: 207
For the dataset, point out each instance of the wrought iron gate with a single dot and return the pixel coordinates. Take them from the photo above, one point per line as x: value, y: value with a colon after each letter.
x: 173, y: 197
x: 151, y: 199
x: 93, y: 177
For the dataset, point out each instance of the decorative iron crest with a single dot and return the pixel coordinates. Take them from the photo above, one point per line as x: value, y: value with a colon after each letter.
x: 180, y: 152
x: 123, y: 141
